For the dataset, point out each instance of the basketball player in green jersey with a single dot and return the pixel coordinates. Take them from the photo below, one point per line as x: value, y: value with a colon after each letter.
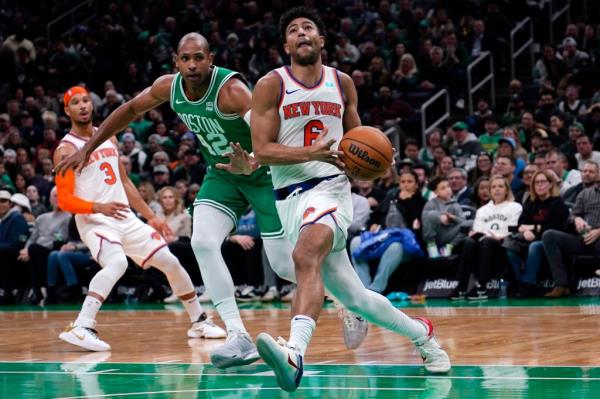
x: 214, y: 103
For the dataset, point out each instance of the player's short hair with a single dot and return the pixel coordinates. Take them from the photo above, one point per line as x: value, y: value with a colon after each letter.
x: 300, y: 12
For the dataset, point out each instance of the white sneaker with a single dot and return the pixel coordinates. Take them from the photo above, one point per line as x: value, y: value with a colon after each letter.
x: 285, y: 360
x: 435, y: 359
x: 239, y: 350
x: 271, y: 295
x: 171, y: 299
x: 355, y: 327
x: 84, y: 337
x: 289, y: 295
x: 205, y: 328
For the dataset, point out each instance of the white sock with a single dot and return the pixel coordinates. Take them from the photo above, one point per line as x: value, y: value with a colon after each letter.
x: 301, y: 331
x: 230, y: 315
x: 193, y: 308
x: 89, y: 310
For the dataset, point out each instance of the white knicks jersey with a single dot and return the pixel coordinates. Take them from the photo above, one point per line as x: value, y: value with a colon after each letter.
x: 303, y: 111
x: 99, y: 180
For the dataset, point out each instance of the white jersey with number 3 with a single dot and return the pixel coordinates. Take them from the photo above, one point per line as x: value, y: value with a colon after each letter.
x: 99, y: 180
x: 303, y: 111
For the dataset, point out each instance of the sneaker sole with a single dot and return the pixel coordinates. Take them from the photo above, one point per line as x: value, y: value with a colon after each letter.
x: 354, y: 344
x: 271, y: 353
x: 223, y: 362
x: 71, y: 339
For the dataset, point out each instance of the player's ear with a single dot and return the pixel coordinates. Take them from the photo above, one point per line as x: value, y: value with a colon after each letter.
x: 322, y: 38
x: 67, y: 112
x: 286, y: 48
x: 211, y: 57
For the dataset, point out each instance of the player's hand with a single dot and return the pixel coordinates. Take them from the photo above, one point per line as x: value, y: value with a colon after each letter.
x: 240, y: 162
x: 321, y: 150
x: 116, y: 210
x: 161, y: 225
x: 75, y: 161
x: 246, y: 242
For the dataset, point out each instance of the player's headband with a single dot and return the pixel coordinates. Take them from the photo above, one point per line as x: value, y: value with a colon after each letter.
x: 71, y: 92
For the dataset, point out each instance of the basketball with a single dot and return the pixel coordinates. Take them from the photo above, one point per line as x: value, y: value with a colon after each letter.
x: 367, y: 152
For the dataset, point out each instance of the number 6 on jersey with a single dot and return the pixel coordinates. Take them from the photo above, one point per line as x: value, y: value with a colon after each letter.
x: 312, y: 130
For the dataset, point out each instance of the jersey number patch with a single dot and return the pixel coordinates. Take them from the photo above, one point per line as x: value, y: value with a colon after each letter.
x: 218, y: 143
x: 111, y: 178
x: 312, y: 130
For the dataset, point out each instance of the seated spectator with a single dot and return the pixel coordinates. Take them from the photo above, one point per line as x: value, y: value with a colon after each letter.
x: 37, y: 208
x: 466, y: 146
x: 549, y: 69
x: 21, y: 202
x: 442, y: 219
x: 560, y: 247
x: 360, y: 217
x: 590, y: 174
x: 406, y: 77
x: 576, y: 130
x: 388, y: 181
x: 585, y: 152
x: 505, y: 166
x: 148, y: 193
x: 482, y: 252
x: 411, y: 150
x: 367, y: 189
x: 161, y: 176
x: 489, y: 139
x: 519, y: 152
x: 13, y: 235
x: 481, y: 192
x: 432, y: 140
x: 476, y: 121
x: 483, y: 167
x: 31, y: 177
x: 134, y: 151
x: 543, y: 210
x: 5, y: 180
x: 401, y: 208
x: 436, y: 75
x: 572, y: 105
x: 557, y: 130
x: 576, y: 60
x: 73, y: 253
x: 444, y: 167
x: 523, y: 193
x: 558, y: 163
x: 458, y: 183
x: 50, y: 229
x: 507, y: 146
x: 191, y: 169
x: 388, y: 110
x: 546, y: 108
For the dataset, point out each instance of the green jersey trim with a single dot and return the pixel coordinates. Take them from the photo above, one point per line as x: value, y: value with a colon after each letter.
x: 213, y: 77
x: 273, y: 235
x: 231, y: 116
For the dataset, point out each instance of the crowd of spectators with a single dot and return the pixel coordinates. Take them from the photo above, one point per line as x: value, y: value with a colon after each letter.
x: 398, y: 54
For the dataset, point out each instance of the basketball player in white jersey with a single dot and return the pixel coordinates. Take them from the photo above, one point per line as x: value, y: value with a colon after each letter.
x: 299, y: 113
x: 99, y: 196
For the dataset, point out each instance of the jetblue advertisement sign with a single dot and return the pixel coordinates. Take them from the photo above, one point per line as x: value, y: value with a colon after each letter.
x: 589, y: 286
x: 442, y: 288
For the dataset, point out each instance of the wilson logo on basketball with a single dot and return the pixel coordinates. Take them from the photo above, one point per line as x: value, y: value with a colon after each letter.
x: 155, y: 236
x: 308, y: 211
x: 364, y: 155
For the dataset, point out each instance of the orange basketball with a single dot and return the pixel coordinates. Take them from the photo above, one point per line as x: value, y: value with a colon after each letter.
x: 367, y: 152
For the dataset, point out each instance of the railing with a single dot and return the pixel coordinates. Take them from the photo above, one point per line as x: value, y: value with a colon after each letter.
x: 426, y: 129
x: 554, y: 15
x: 76, y: 15
x: 527, y: 45
x: 488, y: 78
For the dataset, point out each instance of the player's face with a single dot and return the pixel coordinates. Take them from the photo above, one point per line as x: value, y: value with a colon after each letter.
x: 194, y: 62
x: 303, y: 41
x: 80, y: 109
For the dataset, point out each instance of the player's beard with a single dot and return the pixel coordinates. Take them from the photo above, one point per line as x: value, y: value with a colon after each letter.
x: 82, y: 123
x: 308, y: 59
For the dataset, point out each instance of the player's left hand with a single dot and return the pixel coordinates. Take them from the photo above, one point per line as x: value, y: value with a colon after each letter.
x: 240, y: 162
x: 160, y: 225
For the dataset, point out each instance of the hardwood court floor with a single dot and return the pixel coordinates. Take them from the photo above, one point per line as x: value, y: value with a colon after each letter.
x: 498, y: 350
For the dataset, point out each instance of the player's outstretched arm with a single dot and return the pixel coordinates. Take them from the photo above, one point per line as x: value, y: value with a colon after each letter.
x: 264, y: 124
x: 138, y: 203
x: 118, y: 120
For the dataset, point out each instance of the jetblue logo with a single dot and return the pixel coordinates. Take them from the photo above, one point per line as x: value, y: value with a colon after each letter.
x: 291, y: 92
x: 440, y: 284
x: 593, y: 282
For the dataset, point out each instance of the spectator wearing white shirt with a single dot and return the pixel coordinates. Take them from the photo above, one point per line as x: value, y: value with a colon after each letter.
x: 585, y: 152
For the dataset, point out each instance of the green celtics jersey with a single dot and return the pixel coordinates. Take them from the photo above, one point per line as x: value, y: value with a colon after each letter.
x: 214, y: 129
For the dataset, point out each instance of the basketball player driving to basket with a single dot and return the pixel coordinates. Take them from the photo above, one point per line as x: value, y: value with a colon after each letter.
x: 291, y: 108
x: 100, y: 196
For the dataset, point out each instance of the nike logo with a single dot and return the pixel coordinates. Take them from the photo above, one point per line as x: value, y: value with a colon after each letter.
x: 291, y: 362
x: 180, y: 102
x: 291, y: 92
x: 70, y: 329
